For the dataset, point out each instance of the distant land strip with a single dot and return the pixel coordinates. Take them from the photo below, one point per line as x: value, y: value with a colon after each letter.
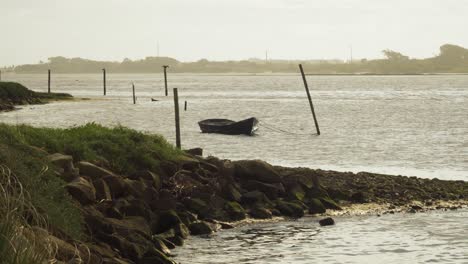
x: 452, y: 59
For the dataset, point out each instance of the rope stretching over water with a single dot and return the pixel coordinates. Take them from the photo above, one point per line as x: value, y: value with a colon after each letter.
x: 279, y: 130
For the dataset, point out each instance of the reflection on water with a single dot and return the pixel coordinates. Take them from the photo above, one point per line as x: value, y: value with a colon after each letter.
x: 439, y: 237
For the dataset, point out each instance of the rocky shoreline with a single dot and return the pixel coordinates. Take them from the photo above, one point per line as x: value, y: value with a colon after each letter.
x: 138, y: 218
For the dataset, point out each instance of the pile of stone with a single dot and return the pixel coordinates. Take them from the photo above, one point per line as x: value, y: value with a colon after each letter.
x: 138, y: 218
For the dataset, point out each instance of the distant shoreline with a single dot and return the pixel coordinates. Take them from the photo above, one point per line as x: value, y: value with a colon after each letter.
x: 252, y: 73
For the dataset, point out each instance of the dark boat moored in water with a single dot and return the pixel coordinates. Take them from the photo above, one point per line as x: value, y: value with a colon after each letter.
x: 229, y: 127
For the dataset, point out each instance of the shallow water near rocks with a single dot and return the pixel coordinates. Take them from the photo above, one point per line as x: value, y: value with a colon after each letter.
x: 408, y: 125
x: 430, y: 237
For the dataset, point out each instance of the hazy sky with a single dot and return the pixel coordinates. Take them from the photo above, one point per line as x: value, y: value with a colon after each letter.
x: 33, y: 30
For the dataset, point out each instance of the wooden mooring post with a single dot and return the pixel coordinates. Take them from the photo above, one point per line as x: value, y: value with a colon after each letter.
x: 48, y: 81
x: 104, y: 81
x: 185, y: 106
x: 177, y: 119
x: 310, y: 99
x: 165, y: 78
x: 133, y: 91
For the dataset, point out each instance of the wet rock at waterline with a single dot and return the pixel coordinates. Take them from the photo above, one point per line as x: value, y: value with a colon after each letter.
x: 326, y: 221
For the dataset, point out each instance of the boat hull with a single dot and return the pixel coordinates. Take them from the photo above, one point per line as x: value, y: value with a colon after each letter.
x: 229, y: 127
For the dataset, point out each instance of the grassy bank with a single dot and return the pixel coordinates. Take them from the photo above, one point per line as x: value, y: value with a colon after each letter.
x: 12, y: 94
x: 29, y: 180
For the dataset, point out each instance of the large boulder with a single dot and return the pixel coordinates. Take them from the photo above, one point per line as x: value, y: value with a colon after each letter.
x: 198, y: 207
x: 296, y: 192
x: 316, y: 206
x: 188, y: 163
x: 271, y: 190
x: 231, y: 193
x: 195, y: 151
x: 116, y: 184
x: 65, y: 164
x: 329, y: 203
x: 167, y: 220
x: 149, y: 177
x: 82, y: 191
x: 256, y: 170
x: 134, y: 250
x: 200, y: 228
x: 260, y: 213
x: 254, y: 197
x: 235, y: 211
x: 290, y: 209
x: 91, y: 170
x: 166, y: 201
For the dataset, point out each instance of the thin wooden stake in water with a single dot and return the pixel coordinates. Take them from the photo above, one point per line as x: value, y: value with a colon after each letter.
x: 177, y: 120
x: 310, y: 99
x: 133, y: 89
x: 48, y: 81
x: 104, y: 80
x: 185, y: 106
x: 165, y: 78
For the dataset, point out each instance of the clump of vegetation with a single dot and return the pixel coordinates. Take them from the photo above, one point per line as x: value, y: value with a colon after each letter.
x: 19, y: 244
x: 124, y: 150
x: 12, y: 93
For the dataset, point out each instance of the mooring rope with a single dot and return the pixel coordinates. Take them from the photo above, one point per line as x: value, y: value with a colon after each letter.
x: 279, y: 130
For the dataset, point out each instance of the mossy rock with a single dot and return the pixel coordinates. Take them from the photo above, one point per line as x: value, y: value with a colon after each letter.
x: 316, y: 193
x: 235, y: 211
x: 197, y: 206
x: 295, y: 191
x: 316, y: 206
x: 200, y: 228
x: 290, y: 209
x: 232, y: 193
x: 329, y: 203
x: 260, y: 213
x: 255, y: 198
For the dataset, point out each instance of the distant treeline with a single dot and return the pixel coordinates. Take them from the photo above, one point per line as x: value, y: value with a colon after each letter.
x: 451, y: 59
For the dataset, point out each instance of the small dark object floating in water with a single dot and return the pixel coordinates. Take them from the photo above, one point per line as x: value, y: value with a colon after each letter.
x: 154, y: 100
x: 229, y: 127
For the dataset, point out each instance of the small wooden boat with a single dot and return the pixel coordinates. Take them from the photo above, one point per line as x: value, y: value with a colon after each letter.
x: 229, y: 127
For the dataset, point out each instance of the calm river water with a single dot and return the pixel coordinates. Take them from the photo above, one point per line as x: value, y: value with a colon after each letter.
x: 408, y: 125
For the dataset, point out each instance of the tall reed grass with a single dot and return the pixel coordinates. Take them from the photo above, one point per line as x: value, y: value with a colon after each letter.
x: 19, y: 242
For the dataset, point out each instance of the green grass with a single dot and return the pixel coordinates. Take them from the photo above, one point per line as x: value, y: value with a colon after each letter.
x: 18, y: 94
x: 45, y: 189
x: 124, y: 150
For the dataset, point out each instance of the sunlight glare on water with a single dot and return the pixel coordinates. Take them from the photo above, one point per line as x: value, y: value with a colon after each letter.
x: 410, y: 125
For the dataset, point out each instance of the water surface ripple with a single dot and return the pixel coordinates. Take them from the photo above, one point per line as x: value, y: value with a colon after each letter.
x: 433, y: 237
